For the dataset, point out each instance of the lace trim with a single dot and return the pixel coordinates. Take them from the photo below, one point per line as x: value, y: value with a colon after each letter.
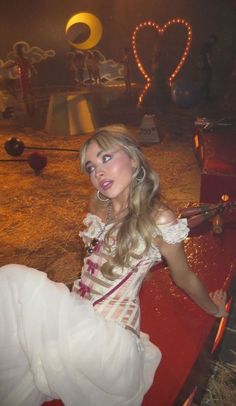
x: 174, y: 233
x: 93, y: 225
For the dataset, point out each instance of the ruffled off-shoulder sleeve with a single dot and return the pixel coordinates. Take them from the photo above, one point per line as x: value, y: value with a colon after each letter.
x: 93, y: 225
x: 174, y: 233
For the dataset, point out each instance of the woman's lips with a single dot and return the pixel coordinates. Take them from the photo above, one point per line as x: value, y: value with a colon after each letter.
x: 106, y: 184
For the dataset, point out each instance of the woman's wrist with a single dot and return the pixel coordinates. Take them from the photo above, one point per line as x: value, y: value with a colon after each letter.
x: 217, y: 313
x: 219, y: 298
x: 214, y: 310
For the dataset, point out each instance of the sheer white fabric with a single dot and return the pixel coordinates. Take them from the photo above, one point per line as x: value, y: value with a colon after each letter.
x: 55, y: 344
x: 174, y: 233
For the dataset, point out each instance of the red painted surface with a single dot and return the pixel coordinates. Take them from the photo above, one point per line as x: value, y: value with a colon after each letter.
x: 218, y: 161
x: 175, y: 324
x: 219, y: 151
x: 214, y: 185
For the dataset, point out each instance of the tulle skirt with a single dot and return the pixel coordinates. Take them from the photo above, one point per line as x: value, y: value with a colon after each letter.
x: 54, y: 345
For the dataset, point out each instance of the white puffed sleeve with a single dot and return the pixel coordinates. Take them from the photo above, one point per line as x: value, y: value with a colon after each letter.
x: 174, y: 233
x: 93, y: 226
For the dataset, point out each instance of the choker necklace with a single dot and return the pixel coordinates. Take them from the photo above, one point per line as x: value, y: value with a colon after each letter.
x: 94, y: 243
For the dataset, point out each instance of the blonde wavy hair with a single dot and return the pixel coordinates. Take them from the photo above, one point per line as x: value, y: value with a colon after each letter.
x: 143, y: 201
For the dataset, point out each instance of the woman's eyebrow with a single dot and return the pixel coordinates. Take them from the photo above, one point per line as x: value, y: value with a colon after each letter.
x: 100, y: 152
x: 98, y: 155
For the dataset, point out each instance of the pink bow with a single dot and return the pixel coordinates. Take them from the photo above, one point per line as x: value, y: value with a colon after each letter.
x: 83, y: 289
x: 92, y: 266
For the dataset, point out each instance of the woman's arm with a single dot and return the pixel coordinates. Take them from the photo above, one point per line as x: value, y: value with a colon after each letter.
x: 214, y: 302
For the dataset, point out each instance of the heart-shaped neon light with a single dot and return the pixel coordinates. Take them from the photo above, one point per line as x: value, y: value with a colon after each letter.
x: 160, y: 30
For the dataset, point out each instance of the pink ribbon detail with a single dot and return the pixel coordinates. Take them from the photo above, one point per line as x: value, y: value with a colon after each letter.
x: 92, y: 266
x: 83, y: 289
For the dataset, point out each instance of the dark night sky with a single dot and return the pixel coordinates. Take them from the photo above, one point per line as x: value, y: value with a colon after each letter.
x: 42, y: 23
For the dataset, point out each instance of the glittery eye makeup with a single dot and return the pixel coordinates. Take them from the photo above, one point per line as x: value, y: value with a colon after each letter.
x: 105, y: 157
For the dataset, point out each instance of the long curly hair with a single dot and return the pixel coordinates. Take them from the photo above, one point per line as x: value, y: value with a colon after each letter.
x: 143, y: 201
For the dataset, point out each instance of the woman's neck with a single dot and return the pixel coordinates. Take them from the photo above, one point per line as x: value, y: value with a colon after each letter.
x: 119, y: 211
x: 121, y: 214
x: 119, y: 205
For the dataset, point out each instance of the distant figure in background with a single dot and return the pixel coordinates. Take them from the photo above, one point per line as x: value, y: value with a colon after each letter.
x: 25, y: 69
x: 92, y: 62
x: 79, y: 64
x: 157, y: 96
x: 205, y: 66
x: 72, y: 67
x: 126, y: 62
x: 96, y: 67
x: 89, y: 65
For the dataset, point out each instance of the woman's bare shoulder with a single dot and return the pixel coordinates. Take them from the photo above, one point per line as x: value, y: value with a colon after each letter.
x: 164, y: 216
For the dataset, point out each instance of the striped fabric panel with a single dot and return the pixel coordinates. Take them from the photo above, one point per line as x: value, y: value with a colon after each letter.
x: 120, y: 308
x: 96, y: 281
x: 122, y: 305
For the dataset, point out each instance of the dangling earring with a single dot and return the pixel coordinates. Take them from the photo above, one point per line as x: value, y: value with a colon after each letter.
x: 101, y: 197
x: 140, y: 175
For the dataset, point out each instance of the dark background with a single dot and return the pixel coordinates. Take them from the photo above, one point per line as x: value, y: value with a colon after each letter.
x: 42, y: 23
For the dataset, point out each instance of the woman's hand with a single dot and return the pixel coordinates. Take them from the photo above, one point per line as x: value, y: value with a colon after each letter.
x: 219, y: 297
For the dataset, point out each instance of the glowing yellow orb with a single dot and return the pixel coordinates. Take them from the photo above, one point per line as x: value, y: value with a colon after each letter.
x: 95, y: 28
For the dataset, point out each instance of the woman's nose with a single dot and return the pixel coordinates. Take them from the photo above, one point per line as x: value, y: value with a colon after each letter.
x: 99, y: 171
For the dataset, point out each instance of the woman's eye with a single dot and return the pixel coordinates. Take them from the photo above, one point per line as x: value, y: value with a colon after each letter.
x: 106, y: 157
x: 90, y: 169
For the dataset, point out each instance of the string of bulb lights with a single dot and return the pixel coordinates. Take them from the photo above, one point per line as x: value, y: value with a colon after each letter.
x: 160, y: 30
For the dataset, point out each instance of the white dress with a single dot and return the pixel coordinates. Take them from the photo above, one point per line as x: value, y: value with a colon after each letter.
x: 67, y: 345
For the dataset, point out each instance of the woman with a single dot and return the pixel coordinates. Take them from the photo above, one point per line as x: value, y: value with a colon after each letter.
x: 126, y: 62
x: 25, y: 69
x: 85, y: 346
